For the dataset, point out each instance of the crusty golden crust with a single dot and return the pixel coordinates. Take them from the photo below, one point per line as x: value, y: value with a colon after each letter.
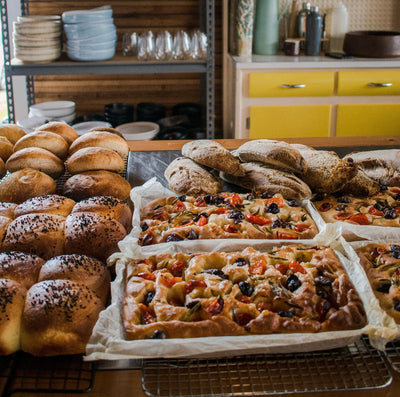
x: 227, y: 215
x: 289, y: 289
x: 381, y: 262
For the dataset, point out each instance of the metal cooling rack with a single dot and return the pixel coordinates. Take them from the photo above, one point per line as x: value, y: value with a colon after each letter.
x: 392, y: 351
x: 357, y: 366
x: 60, y: 374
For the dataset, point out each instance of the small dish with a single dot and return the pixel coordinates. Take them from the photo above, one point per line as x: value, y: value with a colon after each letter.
x: 54, y: 107
x: 139, y: 130
x: 81, y: 16
x: 82, y: 128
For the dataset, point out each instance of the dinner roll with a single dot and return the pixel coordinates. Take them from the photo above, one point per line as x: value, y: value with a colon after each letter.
x: 92, y: 234
x: 4, y: 222
x: 39, y: 234
x: 80, y: 268
x: 7, y: 209
x: 96, y: 183
x: 60, y: 128
x: 58, y: 318
x: 38, y: 159
x: 6, y: 148
x: 103, y: 139
x: 21, y: 267
x: 50, y: 141
x: 23, y: 184
x: 48, y: 204
x: 93, y: 159
x: 3, y: 169
x: 109, y: 206
x: 12, y: 299
x: 108, y: 129
x: 12, y: 132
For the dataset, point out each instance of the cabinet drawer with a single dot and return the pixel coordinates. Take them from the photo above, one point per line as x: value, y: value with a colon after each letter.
x: 368, y: 119
x: 378, y: 82
x: 291, y: 84
x: 289, y: 121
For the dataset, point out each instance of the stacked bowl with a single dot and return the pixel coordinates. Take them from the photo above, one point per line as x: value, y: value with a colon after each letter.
x: 91, y: 34
x: 54, y: 111
x: 37, y: 38
x: 118, y: 113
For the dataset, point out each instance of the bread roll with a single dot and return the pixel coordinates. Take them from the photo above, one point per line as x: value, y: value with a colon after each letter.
x: 12, y: 299
x: 23, y: 184
x: 3, y: 169
x: 95, y: 159
x: 79, y: 268
x: 6, y: 148
x: 7, y: 209
x: 60, y: 128
x: 50, y: 141
x: 108, y: 129
x: 38, y: 159
x: 58, y: 318
x: 102, y: 139
x: 111, y: 207
x: 96, y: 183
x: 12, y: 132
x: 21, y: 267
x: 92, y: 234
x: 48, y: 204
x: 39, y: 234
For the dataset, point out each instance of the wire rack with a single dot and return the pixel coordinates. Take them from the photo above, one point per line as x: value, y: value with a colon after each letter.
x: 392, y: 352
x: 61, y: 374
x: 357, y: 366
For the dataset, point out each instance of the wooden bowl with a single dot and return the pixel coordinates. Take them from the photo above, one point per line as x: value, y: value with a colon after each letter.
x: 372, y: 44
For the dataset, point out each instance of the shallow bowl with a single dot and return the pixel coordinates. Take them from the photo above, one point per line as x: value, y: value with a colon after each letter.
x: 88, y: 55
x: 139, y: 130
x: 79, y: 16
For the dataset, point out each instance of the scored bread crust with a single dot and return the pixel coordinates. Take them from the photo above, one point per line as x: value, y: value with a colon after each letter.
x: 12, y: 132
x: 60, y: 128
x: 6, y: 148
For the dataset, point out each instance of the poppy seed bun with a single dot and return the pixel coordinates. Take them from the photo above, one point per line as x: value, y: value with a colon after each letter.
x: 4, y: 222
x: 79, y: 268
x: 12, y: 298
x: 6, y: 148
x: 60, y: 128
x: 58, y: 318
x: 92, y: 234
x: 50, y: 141
x: 102, y: 139
x: 12, y: 132
x: 39, y: 234
x: 21, y: 267
x: 7, y: 209
x: 23, y: 184
x: 109, y: 206
x: 48, y: 204
x: 38, y: 159
x: 96, y: 183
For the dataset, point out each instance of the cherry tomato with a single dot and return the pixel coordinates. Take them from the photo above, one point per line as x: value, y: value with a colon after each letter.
x: 178, y: 207
x: 199, y: 202
x: 202, y: 221
x: 295, y: 267
x: 192, y: 284
x: 147, y: 276
x: 257, y: 220
x: 177, y: 268
x: 360, y: 219
x: 373, y: 211
x: 263, y: 306
x: 244, y: 299
x: 258, y: 267
x: 160, y: 216
x: 170, y: 281
x: 148, y: 315
x: 301, y: 227
x: 230, y: 229
x: 277, y: 200
x: 216, y: 306
x: 286, y: 236
x: 220, y: 210
x: 281, y: 267
x: 235, y: 199
x: 243, y: 318
x: 342, y: 216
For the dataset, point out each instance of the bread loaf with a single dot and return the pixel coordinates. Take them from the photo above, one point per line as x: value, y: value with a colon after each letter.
x: 6, y: 148
x: 23, y: 184
x: 111, y: 207
x: 38, y: 159
x: 47, y: 204
x: 50, y: 141
x: 361, y: 186
x: 108, y: 129
x: 21, y: 267
x: 102, y: 139
x: 79, y: 268
x: 92, y: 234
x: 96, y: 183
x: 7, y: 209
x: 39, y: 234
x: 60, y: 128
x: 4, y: 222
x: 3, y: 169
x: 58, y: 318
x: 95, y: 159
x: 12, y: 298
x: 12, y: 132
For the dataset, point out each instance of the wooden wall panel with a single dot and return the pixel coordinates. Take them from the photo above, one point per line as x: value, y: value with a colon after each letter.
x: 92, y: 92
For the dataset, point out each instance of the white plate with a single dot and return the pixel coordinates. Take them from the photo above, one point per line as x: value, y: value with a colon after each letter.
x: 82, y: 128
x: 33, y: 18
x: 139, y: 130
x: 54, y: 106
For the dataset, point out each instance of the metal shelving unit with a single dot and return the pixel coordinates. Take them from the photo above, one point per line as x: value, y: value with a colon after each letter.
x: 117, y: 65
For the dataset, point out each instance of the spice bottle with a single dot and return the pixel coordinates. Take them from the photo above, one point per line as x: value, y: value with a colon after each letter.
x: 301, y: 21
x: 313, y: 32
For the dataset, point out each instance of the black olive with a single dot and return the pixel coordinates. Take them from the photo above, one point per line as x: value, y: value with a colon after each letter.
x: 250, y: 197
x: 323, y: 281
x: 245, y: 288
x: 208, y: 198
x: 266, y: 195
x: 237, y: 215
x: 144, y: 226
x: 157, y: 334
x: 272, y: 208
x: 395, y: 247
x: 293, y: 203
x: 344, y: 199
x: 325, y: 306
x: 384, y: 187
x: 379, y: 206
x: 384, y: 287
x: 218, y: 200
x: 322, y: 293
x: 157, y: 207
x: 216, y: 272
x: 147, y: 239
x: 397, y: 196
x: 182, y: 198
x: 341, y: 207
x: 318, y: 197
x: 148, y: 298
x: 288, y: 314
x: 390, y: 213
x: 293, y: 283
x: 192, y: 304
x: 174, y: 237
x: 397, y: 306
x: 276, y: 223
x: 241, y: 262
x: 192, y: 235
x: 198, y: 216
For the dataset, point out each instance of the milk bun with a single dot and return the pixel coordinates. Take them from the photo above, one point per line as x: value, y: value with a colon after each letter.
x: 3, y: 169
x: 60, y: 128
x: 6, y: 148
x: 12, y: 132
x: 38, y: 159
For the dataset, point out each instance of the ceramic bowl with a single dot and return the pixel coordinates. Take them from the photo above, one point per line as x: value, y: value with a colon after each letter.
x: 53, y: 108
x: 81, y: 16
x: 90, y: 31
x: 82, y: 128
x: 139, y: 130
x: 34, y: 18
x: 32, y: 41
x: 29, y: 28
x: 94, y: 40
x: 87, y: 55
x: 91, y: 47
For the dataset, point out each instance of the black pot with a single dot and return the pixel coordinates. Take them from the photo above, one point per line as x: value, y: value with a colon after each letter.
x: 149, y: 111
x: 193, y: 111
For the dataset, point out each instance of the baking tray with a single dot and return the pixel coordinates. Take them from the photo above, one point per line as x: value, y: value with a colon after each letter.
x: 392, y: 352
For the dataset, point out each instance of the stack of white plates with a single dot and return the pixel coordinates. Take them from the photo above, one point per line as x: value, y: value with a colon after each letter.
x: 37, y: 38
x: 91, y: 34
x: 54, y: 111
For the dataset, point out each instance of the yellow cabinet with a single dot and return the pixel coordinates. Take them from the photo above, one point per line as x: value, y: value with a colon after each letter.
x: 368, y: 119
x: 291, y: 84
x: 289, y: 121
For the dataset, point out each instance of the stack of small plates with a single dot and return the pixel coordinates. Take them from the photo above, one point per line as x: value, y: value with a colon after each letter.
x: 54, y: 111
x: 37, y: 38
x: 91, y: 34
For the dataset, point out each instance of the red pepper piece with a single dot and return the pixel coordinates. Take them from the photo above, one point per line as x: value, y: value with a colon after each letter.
x: 360, y: 219
x: 296, y: 267
x: 282, y: 268
x: 258, y: 267
x: 257, y: 220
x: 192, y: 284
x: 147, y: 276
x: 216, y: 306
x: 202, y: 221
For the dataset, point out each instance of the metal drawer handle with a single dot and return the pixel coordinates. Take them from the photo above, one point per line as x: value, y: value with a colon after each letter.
x: 293, y: 86
x: 380, y: 84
